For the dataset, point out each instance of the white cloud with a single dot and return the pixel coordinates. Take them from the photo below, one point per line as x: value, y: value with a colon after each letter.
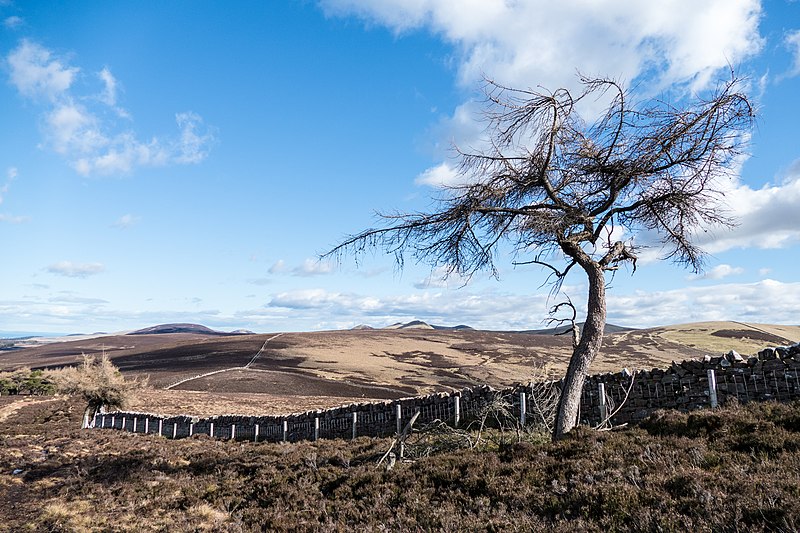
x: 767, y: 217
x: 767, y: 301
x: 716, y: 273
x: 11, y: 175
x: 442, y: 175
x: 314, y: 267
x: 109, y: 94
x: 12, y: 219
x: 279, y: 267
x: 126, y: 221
x: 195, y: 138
x: 309, y: 268
x: 87, y: 136
x: 543, y: 42
x: 36, y: 73
x: 13, y: 22
x: 75, y: 270
x: 792, y: 42
x: 488, y: 310
x: 441, y: 278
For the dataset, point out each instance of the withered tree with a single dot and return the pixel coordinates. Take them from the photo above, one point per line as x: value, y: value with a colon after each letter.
x: 567, y: 193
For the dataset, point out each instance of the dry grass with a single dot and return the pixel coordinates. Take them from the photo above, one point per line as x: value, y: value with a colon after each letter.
x: 732, y: 469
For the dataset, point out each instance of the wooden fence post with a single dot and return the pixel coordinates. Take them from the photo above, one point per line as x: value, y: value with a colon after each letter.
x: 211, y: 430
x: 523, y: 408
x: 233, y: 431
x: 355, y: 421
x: 160, y: 426
x: 174, y: 430
x: 113, y: 422
x: 316, y: 428
x: 457, y: 409
x: 399, y: 414
x: 601, y: 392
x: 147, y: 425
x: 255, y: 435
x: 103, y: 422
x: 135, y: 419
x: 123, y: 423
x: 285, y: 431
x: 191, y: 428
x: 712, y: 388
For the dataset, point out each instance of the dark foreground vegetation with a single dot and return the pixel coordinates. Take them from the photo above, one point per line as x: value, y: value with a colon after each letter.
x: 734, y: 469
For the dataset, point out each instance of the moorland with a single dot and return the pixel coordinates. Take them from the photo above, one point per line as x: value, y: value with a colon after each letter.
x: 732, y: 469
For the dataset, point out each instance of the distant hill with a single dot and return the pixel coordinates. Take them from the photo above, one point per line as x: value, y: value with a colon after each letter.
x: 419, y: 324
x: 186, y: 328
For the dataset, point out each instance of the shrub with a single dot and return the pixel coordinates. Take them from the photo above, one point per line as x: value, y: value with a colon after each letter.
x: 99, y: 382
x: 26, y: 381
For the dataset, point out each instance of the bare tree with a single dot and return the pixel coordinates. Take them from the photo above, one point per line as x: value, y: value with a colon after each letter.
x: 560, y: 190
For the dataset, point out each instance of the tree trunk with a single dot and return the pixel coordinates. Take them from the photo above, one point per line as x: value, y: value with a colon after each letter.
x: 88, y: 416
x: 584, y: 353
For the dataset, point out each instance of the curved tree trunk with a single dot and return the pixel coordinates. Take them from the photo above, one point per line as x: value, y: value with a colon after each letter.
x: 88, y: 415
x: 584, y: 353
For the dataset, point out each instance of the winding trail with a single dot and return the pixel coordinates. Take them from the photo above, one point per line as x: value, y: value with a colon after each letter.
x: 245, y: 367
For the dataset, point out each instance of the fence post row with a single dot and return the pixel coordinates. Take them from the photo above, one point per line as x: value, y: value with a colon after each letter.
x: 665, y: 388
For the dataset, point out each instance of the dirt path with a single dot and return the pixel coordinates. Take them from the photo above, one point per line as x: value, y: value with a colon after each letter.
x: 17, y: 404
x: 245, y: 367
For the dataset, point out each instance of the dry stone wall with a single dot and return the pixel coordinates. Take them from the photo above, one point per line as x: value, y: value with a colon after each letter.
x: 623, y: 397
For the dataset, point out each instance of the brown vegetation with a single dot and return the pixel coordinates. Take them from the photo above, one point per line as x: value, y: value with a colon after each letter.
x: 736, y: 468
x: 301, y: 371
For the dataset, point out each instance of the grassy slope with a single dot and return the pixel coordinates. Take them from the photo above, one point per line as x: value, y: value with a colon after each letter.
x: 732, y: 469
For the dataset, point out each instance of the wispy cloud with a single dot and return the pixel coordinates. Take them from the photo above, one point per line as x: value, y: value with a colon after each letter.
x: 442, y: 175
x: 13, y: 22
x: 279, y: 267
x: 717, y: 273
x: 92, y: 140
x: 314, y: 267
x: 75, y: 270
x: 11, y: 175
x: 309, y: 268
x: 36, y: 73
x: 126, y: 221
x: 766, y: 218
x: 13, y: 219
x: 792, y: 42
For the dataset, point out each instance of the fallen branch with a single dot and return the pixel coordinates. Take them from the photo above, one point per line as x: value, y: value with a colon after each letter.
x: 401, y: 438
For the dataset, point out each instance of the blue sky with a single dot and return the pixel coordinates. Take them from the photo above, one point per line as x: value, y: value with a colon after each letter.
x: 188, y: 161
